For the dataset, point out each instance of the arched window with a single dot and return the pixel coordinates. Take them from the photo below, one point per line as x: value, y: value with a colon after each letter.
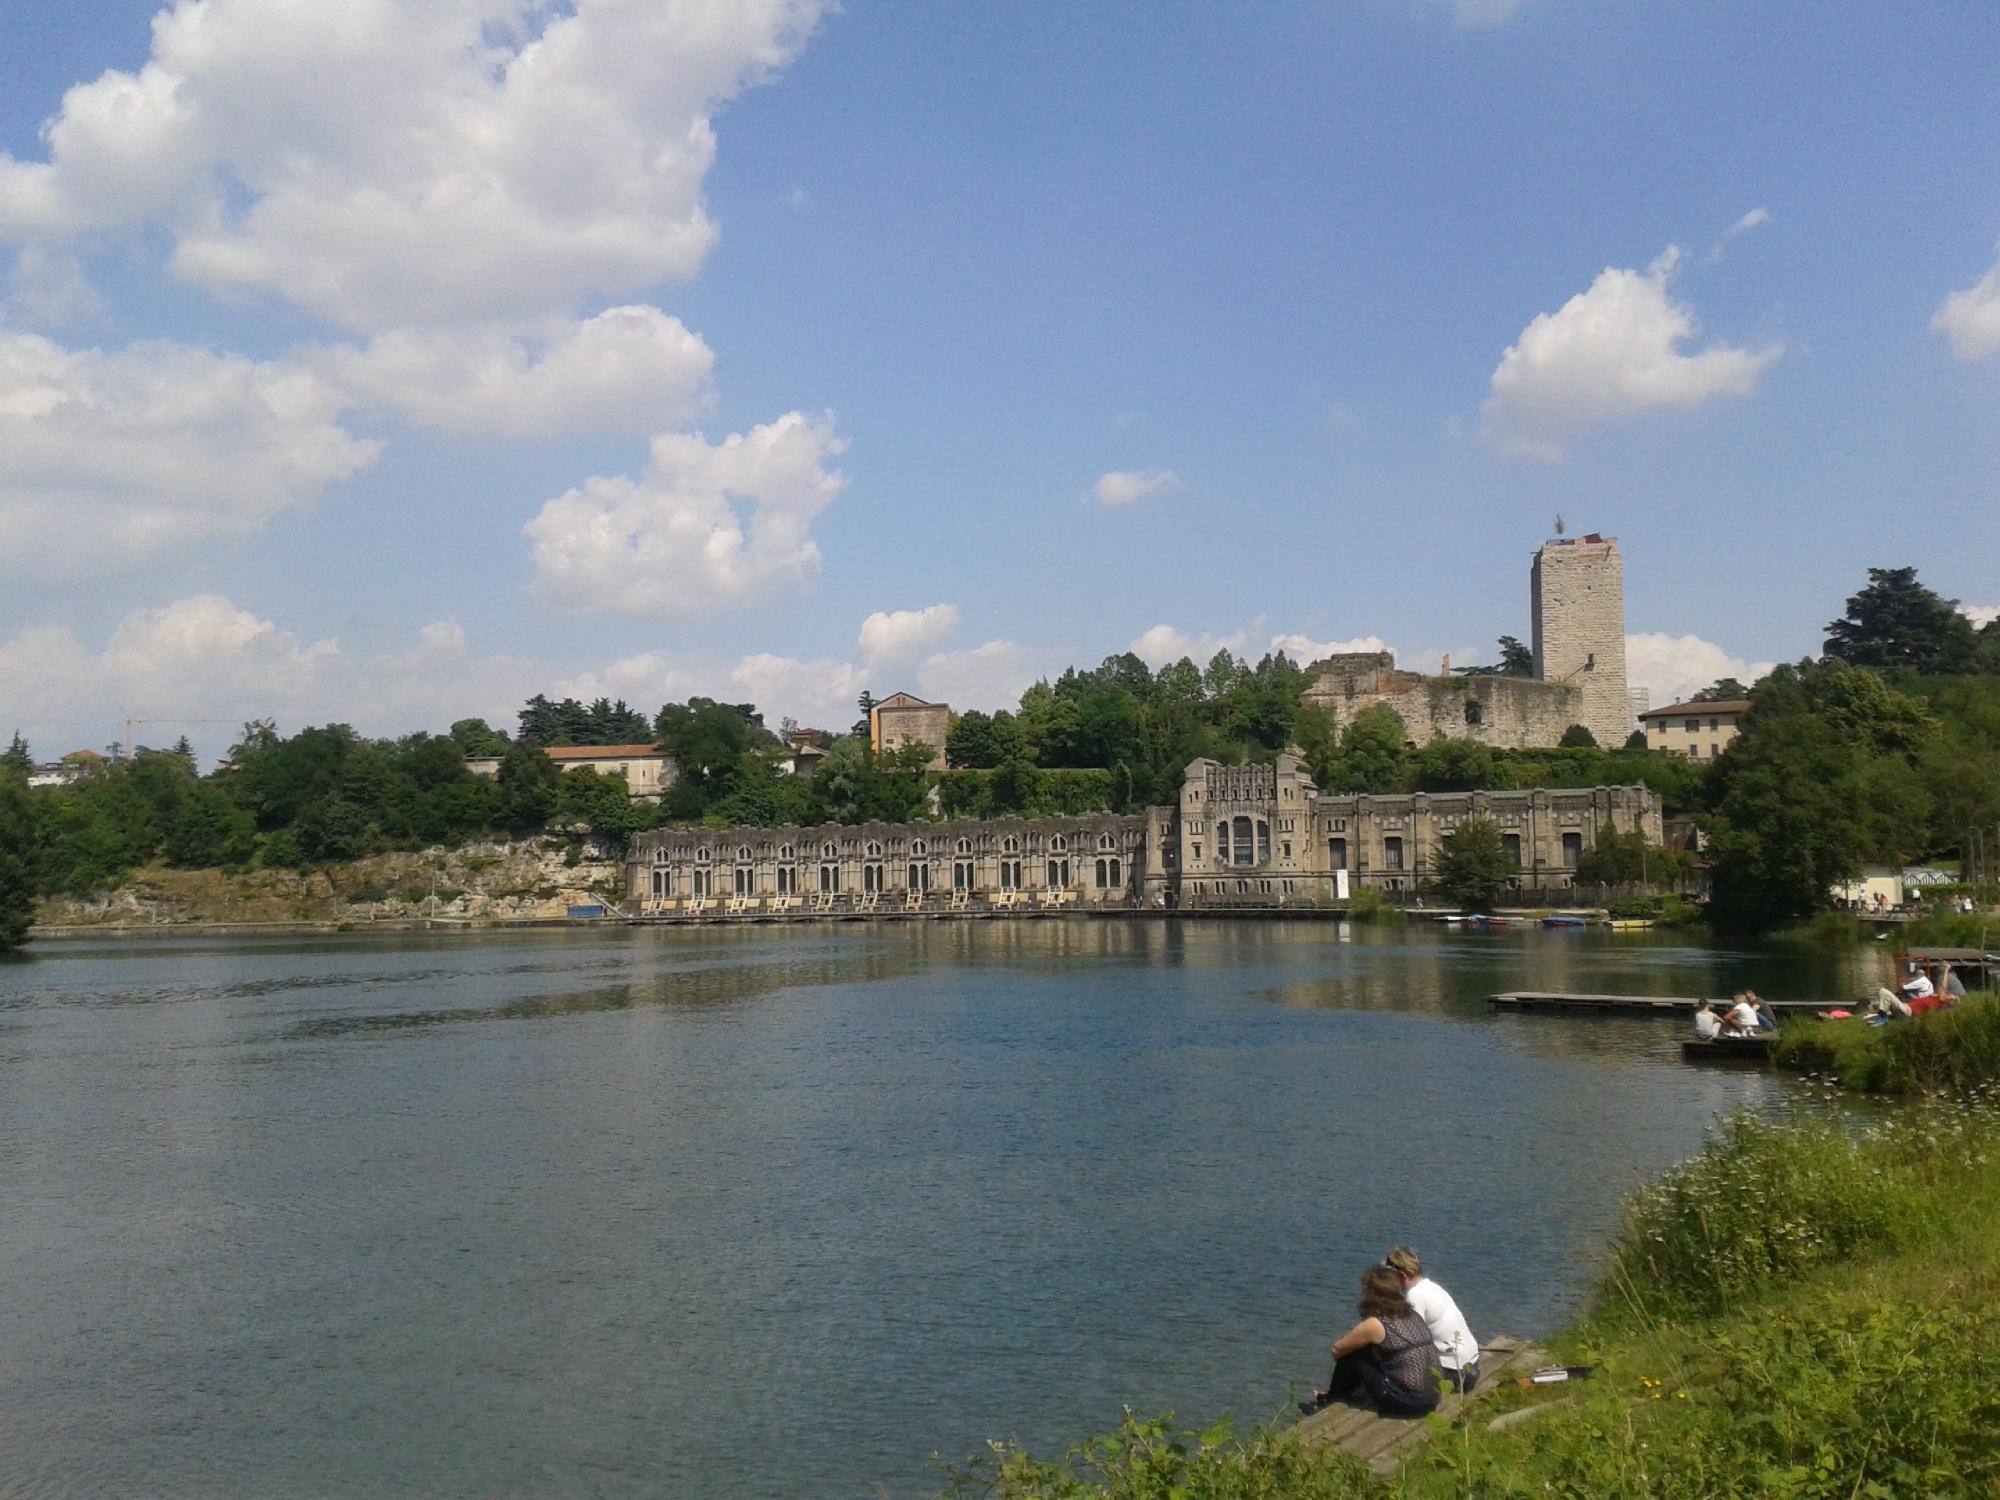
x: 1107, y: 841
x: 1058, y: 844
x: 1241, y: 850
x: 963, y: 846
x: 1263, y: 842
x: 874, y: 850
x: 743, y: 852
x: 703, y: 856
x: 829, y: 850
x: 1475, y: 711
x: 919, y: 848
x: 1010, y: 845
x: 1222, y: 843
x: 786, y: 851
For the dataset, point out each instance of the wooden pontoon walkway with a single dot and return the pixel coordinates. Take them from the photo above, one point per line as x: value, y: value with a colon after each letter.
x: 1556, y: 1000
x: 1384, y: 1442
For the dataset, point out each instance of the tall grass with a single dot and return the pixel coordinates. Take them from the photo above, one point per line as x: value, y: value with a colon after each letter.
x: 1802, y: 1310
x: 1766, y: 1199
x: 1955, y: 1051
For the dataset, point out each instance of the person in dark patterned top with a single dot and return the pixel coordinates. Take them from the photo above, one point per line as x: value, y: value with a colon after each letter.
x: 1385, y: 1359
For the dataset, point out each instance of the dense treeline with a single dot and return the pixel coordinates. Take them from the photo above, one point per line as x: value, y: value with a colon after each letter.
x: 1885, y: 750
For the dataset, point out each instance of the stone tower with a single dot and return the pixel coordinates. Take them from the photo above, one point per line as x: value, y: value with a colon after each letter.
x: 1578, y: 596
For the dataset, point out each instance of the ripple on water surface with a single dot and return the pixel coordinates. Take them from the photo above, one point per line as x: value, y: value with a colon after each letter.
x: 757, y: 1213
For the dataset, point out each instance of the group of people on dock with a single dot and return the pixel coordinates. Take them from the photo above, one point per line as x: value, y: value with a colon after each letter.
x: 1746, y: 1016
x: 1410, y: 1345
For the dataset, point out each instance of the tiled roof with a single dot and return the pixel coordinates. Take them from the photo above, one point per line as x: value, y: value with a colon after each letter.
x: 604, y: 752
x: 1676, y: 710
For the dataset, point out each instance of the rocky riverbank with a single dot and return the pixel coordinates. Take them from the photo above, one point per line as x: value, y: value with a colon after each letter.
x: 527, y: 880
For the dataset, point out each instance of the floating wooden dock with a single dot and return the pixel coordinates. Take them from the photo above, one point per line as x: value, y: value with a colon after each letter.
x: 1556, y: 1000
x: 1384, y: 1442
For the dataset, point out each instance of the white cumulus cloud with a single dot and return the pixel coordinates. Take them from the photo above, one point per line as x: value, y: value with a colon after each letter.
x: 819, y: 694
x: 891, y: 636
x: 629, y: 369
x: 989, y: 676
x: 1612, y: 351
x: 393, y: 162
x: 205, y: 657
x: 108, y: 458
x: 1123, y: 486
x: 1304, y: 650
x: 1673, y: 667
x: 1980, y: 614
x: 1971, y: 318
x: 706, y: 524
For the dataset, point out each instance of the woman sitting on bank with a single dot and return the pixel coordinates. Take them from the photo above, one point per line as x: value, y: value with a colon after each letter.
x: 1386, y: 1357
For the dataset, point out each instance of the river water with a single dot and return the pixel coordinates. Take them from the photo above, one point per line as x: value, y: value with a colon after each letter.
x: 745, y: 1213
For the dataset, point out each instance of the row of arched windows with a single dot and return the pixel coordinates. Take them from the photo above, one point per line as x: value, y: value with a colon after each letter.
x: 1010, y: 844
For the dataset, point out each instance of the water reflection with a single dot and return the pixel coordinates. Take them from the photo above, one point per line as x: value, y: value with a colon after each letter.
x: 285, y: 1218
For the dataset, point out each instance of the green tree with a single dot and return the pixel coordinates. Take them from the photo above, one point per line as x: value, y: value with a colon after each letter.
x: 1371, y: 753
x: 1577, y: 737
x: 1725, y: 690
x: 1896, y: 622
x: 17, y: 859
x: 1473, y: 869
x: 1456, y: 766
x: 707, y: 740
x: 1516, y: 660
x: 1822, y: 780
x: 210, y: 830
x: 1616, y: 858
x: 475, y: 737
x: 16, y: 758
x: 527, y: 789
x: 973, y: 744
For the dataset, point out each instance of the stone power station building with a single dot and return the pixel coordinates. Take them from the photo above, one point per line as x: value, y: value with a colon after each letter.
x: 1239, y: 836
x: 1251, y: 835
x: 1576, y: 594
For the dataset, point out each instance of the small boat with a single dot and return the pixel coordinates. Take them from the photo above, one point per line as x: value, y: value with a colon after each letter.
x: 1728, y: 1049
x: 1563, y: 919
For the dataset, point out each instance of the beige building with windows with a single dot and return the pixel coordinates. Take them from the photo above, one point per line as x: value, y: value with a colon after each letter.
x: 649, y: 771
x: 1089, y: 859
x: 904, y: 719
x: 1255, y: 835
x: 1262, y: 835
x: 1700, y: 731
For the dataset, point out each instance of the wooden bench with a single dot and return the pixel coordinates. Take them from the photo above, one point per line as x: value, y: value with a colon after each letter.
x: 1383, y: 1443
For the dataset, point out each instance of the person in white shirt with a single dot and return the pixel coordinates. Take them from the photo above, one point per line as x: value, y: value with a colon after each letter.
x: 1707, y: 1024
x: 1742, y: 1018
x: 1457, y: 1349
x: 1918, y: 986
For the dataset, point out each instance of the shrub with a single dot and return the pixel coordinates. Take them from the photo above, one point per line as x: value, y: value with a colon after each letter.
x: 1149, y: 1460
x: 1826, y: 929
x: 1370, y: 905
x: 1765, y: 1199
x: 1955, y: 1051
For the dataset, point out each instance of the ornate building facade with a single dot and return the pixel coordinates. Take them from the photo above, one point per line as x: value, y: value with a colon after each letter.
x: 1256, y: 835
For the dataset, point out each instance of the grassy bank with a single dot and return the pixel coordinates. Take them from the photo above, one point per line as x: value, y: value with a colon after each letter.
x: 1951, y: 1051
x: 1800, y: 1310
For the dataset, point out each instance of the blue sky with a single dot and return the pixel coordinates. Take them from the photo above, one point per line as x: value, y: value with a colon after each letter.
x: 351, y: 371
